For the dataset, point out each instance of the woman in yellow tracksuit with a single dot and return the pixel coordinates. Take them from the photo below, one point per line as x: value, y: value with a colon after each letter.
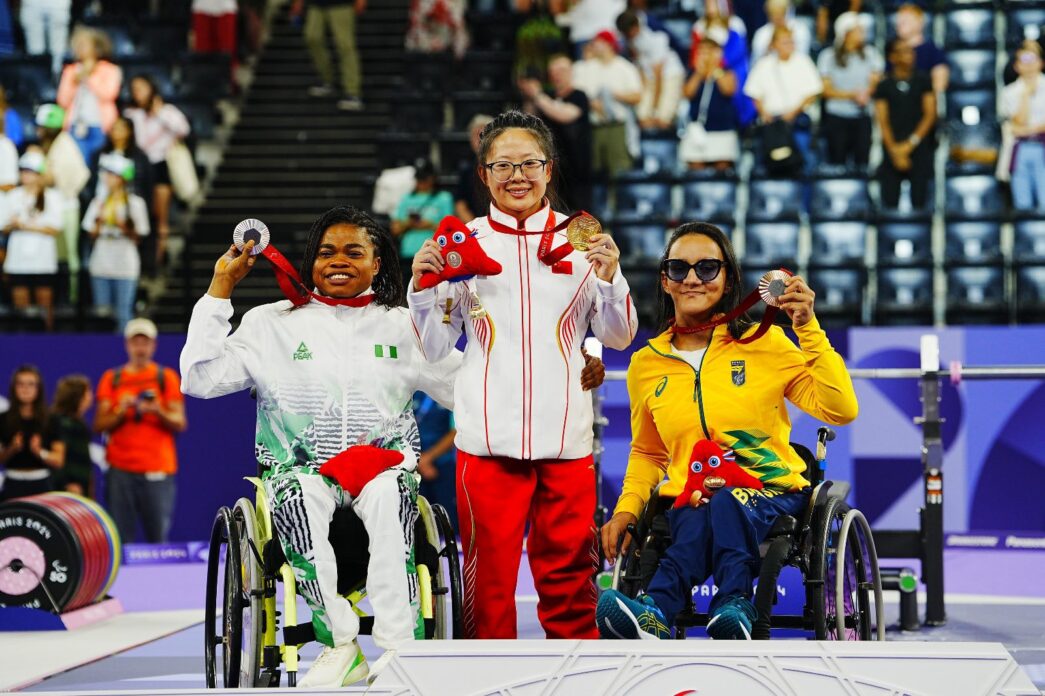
x: 685, y: 386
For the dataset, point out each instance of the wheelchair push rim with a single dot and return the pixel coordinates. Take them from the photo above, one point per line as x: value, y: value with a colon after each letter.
x: 251, y: 590
x: 843, y: 570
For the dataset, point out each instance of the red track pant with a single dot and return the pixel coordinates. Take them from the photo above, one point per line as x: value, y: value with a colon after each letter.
x: 496, y: 497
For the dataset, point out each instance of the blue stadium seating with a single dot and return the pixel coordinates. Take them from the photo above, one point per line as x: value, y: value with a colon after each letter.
x: 158, y: 70
x: 162, y: 38
x: 1030, y: 293
x: 658, y: 155
x: 983, y: 136
x: 976, y: 241
x: 640, y: 242
x: 972, y: 69
x: 973, y: 197
x: 972, y: 107
x: 771, y: 243
x: 1029, y: 245
x: 205, y: 76
x: 976, y: 294
x: 968, y: 27
x: 905, y: 296
x: 838, y: 243
x: 840, y: 199
x: 28, y: 79
x: 708, y: 199
x: 774, y: 199
x: 839, y: 295
x: 202, y: 117
x: 1019, y: 16
x: 905, y: 239
x: 643, y: 199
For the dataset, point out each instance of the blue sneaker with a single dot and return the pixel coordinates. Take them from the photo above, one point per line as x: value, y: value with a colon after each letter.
x: 733, y: 619
x: 619, y: 616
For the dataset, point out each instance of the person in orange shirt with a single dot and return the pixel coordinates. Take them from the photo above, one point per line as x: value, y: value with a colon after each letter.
x: 140, y: 408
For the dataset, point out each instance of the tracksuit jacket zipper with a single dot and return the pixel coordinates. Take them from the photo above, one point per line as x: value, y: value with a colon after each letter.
x: 698, y: 395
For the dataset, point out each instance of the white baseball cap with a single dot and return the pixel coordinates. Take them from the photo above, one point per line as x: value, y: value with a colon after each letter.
x: 140, y: 327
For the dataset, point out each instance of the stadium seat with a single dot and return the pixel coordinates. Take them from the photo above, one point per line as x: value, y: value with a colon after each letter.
x: 973, y: 197
x: 968, y: 27
x: 840, y: 199
x: 205, y: 76
x: 905, y: 238
x: 203, y: 117
x: 600, y: 201
x: 161, y: 38
x: 643, y: 280
x: 428, y: 73
x: 973, y: 241
x: 454, y: 148
x: 839, y: 295
x: 415, y: 112
x: 838, y: 243
x: 971, y: 107
x: 966, y: 140
x: 27, y: 113
x: 494, y: 30
x: 772, y: 244
x: 1019, y: 20
x: 28, y: 79
x: 658, y: 155
x: 905, y: 296
x: 159, y: 71
x: 1030, y: 294
x: 972, y: 69
x: 487, y: 71
x: 641, y: 243
x: 976, y: 294
x: 1029, y: 245
x: 468, y: 104
x: 774, y: 199
x: 401, y: 149
x: 709, y: 199
x: 642, y: 199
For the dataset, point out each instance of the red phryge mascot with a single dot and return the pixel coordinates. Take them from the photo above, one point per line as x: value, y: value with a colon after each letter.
x: 461, y: 251
x: 709, y: 470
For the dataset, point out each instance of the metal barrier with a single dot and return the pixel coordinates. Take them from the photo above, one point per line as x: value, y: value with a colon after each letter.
x: 926, y: 542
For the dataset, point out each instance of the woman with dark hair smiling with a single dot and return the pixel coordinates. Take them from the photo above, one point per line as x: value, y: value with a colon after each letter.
x: 30, y: 450
x: 333, y: 371
x: 698, y: 381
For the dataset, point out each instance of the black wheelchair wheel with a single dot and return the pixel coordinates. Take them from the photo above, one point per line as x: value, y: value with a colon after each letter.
x: 251, y: 585
x: 224, y: 536
x: 826, y: 566
x: 232, y: 608
x: 451, y: 560
x: 211, y: 637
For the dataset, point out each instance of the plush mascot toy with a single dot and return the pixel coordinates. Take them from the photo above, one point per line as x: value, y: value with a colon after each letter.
x: 709, y: 470
x: 358, y: 465
x: 463, y: 256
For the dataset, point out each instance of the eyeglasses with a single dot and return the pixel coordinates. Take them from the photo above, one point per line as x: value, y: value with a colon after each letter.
x: 677, y: 270
x: 504, y: 170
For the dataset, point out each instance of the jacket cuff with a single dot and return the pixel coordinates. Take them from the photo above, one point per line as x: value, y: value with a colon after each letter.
x: 615, y: 290
x: 216, y: 305
x: 630, y: 502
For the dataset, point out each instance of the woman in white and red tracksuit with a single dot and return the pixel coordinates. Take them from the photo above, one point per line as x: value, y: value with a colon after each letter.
x: 524, y: 424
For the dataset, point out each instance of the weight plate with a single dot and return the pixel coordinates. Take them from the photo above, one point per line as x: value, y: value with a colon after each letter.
x: 42, y: 528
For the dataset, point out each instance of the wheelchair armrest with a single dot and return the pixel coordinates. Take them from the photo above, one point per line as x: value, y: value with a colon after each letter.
x: 785, y: 525
x: 838, y: 489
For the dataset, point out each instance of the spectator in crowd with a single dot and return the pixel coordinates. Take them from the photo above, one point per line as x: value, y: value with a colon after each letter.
x: 436, y: 26
x: 157, y: 126
x: 88, y: 91
x: 437, y: 464
x: 828, y: 12
x: 30, y: 450
x: 655, y: 23
x: 1023, y: 105
x: 784, y: 84
x: 567, y: 112
x: 711, y: 136
x: 32, y: 220
x: 123, y: 141
x: 140, y: 408
x: 910, y: 27
x: 12, y: 122
x: 67, y: 172
x: 116, y: 222
x: 468, y: 199
x: 72, y: 399
x: 587, y: 19
x: 614, y: 88
x: 538, y: 38
x: 905, y: 107
x: 46, y: 27
x: 214, y: 28
x: 780, y: 14
x: 662, y: 73
x: 340, y: 16
x: 729, y: 33
x: 850, y: 70
x: 8, y: 166
x: 420, y: 211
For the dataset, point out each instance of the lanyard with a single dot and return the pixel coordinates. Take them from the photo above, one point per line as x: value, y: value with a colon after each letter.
x: 295, y: 291
x: 545, y: 253
x: 745, y: 305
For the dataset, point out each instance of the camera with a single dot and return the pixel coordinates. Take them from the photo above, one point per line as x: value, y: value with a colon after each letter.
x: 147, y: 395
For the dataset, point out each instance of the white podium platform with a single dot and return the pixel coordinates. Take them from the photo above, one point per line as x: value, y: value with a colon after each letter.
x: 700, y: 667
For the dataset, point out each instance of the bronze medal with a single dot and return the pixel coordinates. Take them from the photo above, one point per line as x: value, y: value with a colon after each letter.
x: 772, y: 286
x: 581, y: 229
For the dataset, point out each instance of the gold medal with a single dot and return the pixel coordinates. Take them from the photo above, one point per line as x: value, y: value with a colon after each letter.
x: 581, y: 229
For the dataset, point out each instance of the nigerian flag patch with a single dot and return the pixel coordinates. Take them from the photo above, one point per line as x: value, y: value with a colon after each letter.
x: 386, y: 352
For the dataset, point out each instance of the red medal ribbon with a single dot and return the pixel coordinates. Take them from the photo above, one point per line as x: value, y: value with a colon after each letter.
x: 295, y: 290
x: 545, y: 253
x: 750, y: 301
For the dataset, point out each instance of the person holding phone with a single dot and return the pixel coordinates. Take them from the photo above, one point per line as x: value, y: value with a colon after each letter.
x: 419, y: 212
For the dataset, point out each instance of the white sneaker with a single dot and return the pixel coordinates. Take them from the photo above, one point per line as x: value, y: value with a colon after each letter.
x: 336, y: 667
x: 380, y: 664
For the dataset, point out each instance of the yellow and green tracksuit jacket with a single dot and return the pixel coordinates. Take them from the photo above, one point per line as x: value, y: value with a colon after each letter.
x: 736, y: 398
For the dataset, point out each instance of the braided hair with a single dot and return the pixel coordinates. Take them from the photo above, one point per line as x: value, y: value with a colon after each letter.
x: 388, y: 283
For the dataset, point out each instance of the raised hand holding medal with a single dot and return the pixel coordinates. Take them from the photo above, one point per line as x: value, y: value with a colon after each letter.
x: 585, y: 234
x: 796, y: 300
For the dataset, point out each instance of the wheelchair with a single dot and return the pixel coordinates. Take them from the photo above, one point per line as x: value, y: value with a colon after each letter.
x: 250, y: 561
x: 831, y: 546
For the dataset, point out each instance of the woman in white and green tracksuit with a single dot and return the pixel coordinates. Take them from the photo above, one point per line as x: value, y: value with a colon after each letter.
x: 338, y: 371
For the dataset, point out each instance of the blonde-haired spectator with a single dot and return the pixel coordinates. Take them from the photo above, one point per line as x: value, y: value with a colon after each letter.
x: 88, y: 90
x: 928, y: 58
x: 780, y: 14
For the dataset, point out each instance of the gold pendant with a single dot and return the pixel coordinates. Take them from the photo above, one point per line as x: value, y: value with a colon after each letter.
x: 477, y: 311
x: 446, y: 312
x: 580, y: 231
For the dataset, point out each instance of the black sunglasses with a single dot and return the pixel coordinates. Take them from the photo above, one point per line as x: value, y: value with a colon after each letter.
x: 706, y: 269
